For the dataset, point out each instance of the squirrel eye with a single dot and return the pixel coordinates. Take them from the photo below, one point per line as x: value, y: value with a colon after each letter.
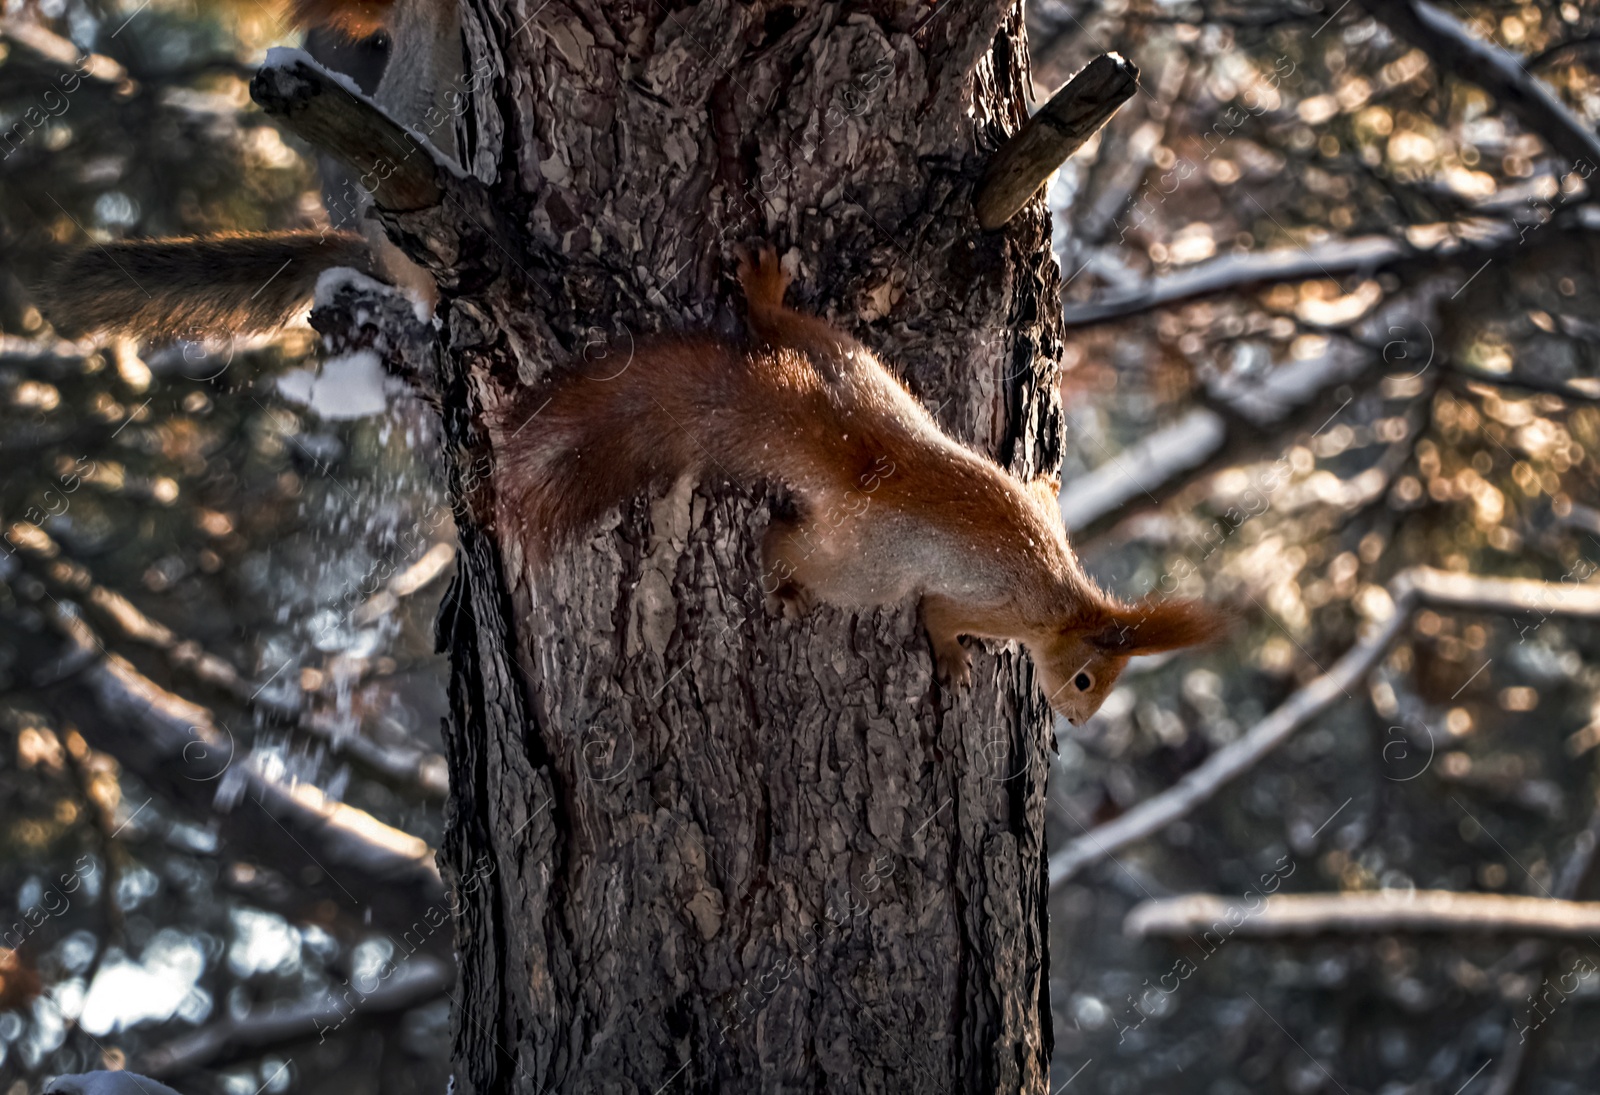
x: 1083, y: 681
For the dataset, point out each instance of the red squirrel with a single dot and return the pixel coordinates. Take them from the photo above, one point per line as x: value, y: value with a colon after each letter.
x: 242, y: 282
x: 890, y: 508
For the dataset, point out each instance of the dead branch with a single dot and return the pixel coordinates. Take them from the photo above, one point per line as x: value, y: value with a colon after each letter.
x: 332, y: 114
x: 1498, y: 71
x: 1411, y: 589
x: 1366, y: 912
x: 1059, y: 128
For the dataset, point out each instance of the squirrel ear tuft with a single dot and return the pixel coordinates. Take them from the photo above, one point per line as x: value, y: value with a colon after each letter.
x: 1157, y: 625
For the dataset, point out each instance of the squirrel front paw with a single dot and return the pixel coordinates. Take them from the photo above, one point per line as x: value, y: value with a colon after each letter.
x: 761, y: 274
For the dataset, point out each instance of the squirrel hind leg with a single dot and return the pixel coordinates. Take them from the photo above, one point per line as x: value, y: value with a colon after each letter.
x: 941, y: 622
x: 762, y: 277
x: 784, y: 573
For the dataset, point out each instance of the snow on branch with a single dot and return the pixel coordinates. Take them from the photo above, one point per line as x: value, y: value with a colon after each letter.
x: 1366, y: 912
x: 1411, y: 589
x: 1045, y: 142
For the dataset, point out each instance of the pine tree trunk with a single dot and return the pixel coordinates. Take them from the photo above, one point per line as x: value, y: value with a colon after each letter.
x: 708, y: 849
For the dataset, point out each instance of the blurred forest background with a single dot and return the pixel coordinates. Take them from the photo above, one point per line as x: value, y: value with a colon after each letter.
x: 1334, y: 308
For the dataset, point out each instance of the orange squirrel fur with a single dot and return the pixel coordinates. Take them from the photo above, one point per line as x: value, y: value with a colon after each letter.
x: 357, y: 18
x: 890, y: 508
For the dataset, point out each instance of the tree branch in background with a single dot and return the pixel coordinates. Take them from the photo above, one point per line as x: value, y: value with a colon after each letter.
x: 1365, y: 912
x: 1156, y: 459
x: 1411, y: 589
x: 408, y: 770
x: 334, y: 851
x: 1498, y: 71
x: 1585, y: 44
x: 1231, y: 431
x: 53, y: 47
x: 1334, y: 259
x: 1581, y: 390
x: 1237, y: 427
x: 1235, y: 273
x: 1568, y: 883
x: 256, y: 1033
x: 1046, y: 141
x: 97, y: 66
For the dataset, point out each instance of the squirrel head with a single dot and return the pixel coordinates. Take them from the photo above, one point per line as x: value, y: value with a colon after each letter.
x: 1079, y: 664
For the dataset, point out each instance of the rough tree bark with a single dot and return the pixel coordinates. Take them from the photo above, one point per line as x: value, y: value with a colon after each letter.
x: 732, y: 852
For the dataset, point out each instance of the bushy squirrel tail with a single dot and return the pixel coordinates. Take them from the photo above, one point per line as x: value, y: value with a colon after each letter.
x: 235, y: 283
x: 598, y: 434
x: 356, y: 18
x: 601, y: 431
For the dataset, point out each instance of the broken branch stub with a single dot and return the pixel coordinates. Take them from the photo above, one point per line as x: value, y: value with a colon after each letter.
x: 391, y: 164
x: 1053, y: 134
